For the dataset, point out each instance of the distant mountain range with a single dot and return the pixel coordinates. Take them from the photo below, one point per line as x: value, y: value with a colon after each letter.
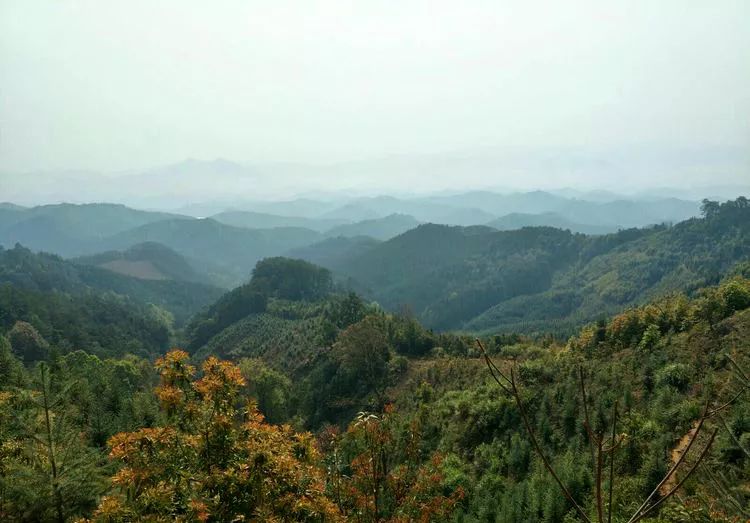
x: 223, y: 248
x: 70, y: 230
x: 262, y: 220
x: 378, y: 228
x: 518, y: 220
x: 470, y: 208
x: 221, y: 184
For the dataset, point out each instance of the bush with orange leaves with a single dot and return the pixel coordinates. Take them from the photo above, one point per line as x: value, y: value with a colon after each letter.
x: 212, y: 461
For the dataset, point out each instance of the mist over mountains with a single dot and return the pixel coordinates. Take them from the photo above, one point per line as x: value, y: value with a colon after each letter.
x: 206, y: 187
x: 75, y: 230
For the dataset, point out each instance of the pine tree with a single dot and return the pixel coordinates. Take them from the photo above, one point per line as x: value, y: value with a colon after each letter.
x: 48, y: 472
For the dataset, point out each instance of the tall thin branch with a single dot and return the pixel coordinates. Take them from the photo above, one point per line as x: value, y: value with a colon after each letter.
x: 739, y: 370
x: 718, y: 409
x: 649, y: 510
x: 599, y: 466
x: 513, y: 390
x: 613, y: 448
x: 538, y: 448
x: 586, y: 415
x: 673, y: 469
x: 736, y: 441
x: 494, y: 371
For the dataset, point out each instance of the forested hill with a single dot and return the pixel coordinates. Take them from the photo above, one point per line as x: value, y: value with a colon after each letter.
x: 146, y: 261
x: 226, y: 253
x: 46, y: 274
x: 537, y: 279
x: 519, y: 220
x: 379, y: 228
x: 223, y: 253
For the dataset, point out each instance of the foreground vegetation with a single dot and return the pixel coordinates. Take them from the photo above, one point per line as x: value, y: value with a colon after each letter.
x: 332, y: 409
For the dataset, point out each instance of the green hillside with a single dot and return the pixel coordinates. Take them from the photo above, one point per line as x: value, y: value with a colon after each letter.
x: 225, y: 253
x: 334, y: 253
x: 148, y: 261
x: 530, y: 279
x: 46, y: 273
x: 660, y: 361
x: 378, y: 228
x: 689, y: 255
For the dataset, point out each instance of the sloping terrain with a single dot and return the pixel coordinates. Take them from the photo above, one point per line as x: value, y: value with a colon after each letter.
x: 548, y: 219
x: 378, y: 228
x: 47, y: 273
x: 482, y: 279
x: 225, y: 253
x: 260, y: 220
x: 334, y: 253
x: 68, y: 229
x: 147, y: 261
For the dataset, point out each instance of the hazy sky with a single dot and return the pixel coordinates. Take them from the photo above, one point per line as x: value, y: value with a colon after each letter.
x: 115, y: 85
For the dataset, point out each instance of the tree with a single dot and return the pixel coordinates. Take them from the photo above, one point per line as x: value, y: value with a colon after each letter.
x: 346, y: 310
x: 388, y: 479
x: 409, y: 337
x: 47, y: 472
x: 27, y: 343
x: 363, y: 353
x: 11, y: 368
x: 289, y: 279
x: 710, y: 208
x: 271, y: 388
x: 211, y: 462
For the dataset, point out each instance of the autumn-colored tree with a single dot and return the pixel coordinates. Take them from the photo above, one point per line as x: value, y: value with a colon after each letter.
x: 387, y: 480
x: 212, y: 461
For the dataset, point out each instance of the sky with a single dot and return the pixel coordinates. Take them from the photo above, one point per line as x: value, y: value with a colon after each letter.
x: 113, y: 86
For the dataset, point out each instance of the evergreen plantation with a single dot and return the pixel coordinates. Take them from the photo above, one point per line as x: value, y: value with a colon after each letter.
x: 449, y: 373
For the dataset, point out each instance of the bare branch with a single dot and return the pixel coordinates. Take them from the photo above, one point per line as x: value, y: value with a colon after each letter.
x: 587, y: 423
x: 745, y: 451
x: 739, y: 370
x: 599, y: 466
x: 673, y: 469
x: 679, y: 484
x: 728, y: 403
x: 612, y: 461
x: 494, y: 371
x: 539, y: 450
